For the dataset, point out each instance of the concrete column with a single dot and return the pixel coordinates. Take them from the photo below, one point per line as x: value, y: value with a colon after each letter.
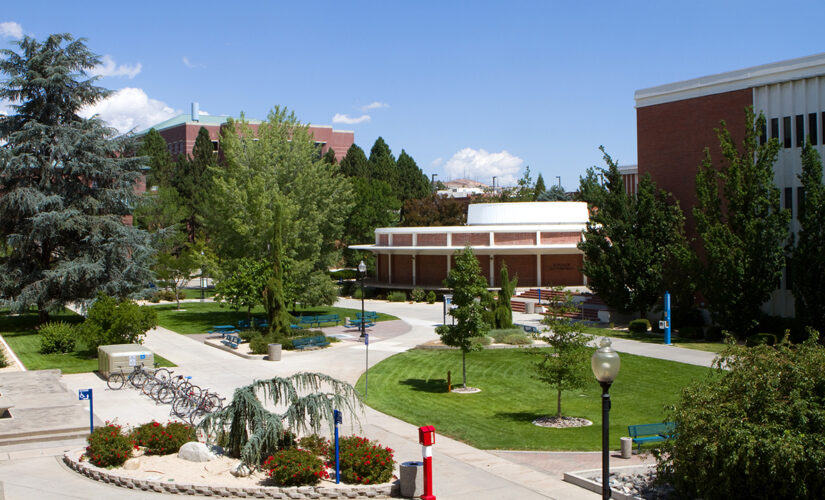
x: 538, y: 238
x: 449, y: 263
x: 389, y: 265
x: 492, y: 270
x: 412, y: 261
x: 538, y: 270
x: 449, y: 239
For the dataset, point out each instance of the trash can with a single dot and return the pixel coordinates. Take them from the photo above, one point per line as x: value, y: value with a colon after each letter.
x: 412, y: 479
x: 530, y: 307
x: 273, y: 352
x: 627, y: 447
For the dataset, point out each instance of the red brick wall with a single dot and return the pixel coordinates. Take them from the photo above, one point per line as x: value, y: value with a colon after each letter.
x: 561, y: 270
x: 431, y: 240
x: 430, y: 270
x: 483, y: 262
x: 473, y: 239
x: 402, y: 269
x: 671, y: 138
x: 514, y: 238
x: 383, y: 239
x: 402, y: 240
x: 383, y: 270
x: 560, y: 238
x: 523, y: 265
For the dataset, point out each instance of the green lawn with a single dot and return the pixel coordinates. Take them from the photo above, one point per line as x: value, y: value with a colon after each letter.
x: 656, y: 338
x: 195, y: 293
x: 24, y: 340
x: 412, y: 386
x: 198, y: 317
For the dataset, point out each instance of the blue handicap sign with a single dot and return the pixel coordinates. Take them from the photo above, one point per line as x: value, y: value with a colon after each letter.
x: 84, y: 394
x: 143, y: 355
x: 338, y: 418
x: 367, y: 338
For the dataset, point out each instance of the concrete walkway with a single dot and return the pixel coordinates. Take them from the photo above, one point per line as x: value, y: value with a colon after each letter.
x: 461, y: 472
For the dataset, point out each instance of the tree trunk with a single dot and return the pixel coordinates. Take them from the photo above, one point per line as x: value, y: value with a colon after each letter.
x: 42, y: 315
x: 558, y: 406
x: 464, y: 368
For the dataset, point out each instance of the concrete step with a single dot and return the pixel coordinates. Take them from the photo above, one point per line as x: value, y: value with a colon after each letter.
x: 45, y: 437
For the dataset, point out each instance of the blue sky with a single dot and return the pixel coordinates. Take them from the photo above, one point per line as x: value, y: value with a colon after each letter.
x: 482, y: 88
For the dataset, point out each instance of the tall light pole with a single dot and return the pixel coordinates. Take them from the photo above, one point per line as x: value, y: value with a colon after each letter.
x: 432, y: 181
x: 362, y: 270
x: 605, y: 364
x: 559, y: 178
x: 494, y: 184
x: 202, y: 278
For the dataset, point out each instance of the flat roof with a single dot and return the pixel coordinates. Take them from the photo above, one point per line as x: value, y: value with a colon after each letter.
x: 755, y: 76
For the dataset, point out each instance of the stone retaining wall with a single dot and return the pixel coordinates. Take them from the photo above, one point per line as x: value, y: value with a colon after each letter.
x: 294, y: 492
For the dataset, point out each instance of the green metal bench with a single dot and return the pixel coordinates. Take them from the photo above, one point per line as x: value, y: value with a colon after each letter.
x: 651, y: 433
x: 316, y: 341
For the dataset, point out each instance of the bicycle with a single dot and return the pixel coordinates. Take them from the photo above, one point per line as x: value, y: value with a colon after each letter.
x: 137, y: 378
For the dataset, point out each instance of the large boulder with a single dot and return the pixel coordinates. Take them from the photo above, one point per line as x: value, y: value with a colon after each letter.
x: 196, y: 452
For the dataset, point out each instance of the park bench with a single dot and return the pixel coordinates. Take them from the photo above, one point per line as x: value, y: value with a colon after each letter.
x: 316, y: 341
x: 369, y: 316
x: 356, y: 323
x: 316, y: 320
x: 256, y: 323
x: 232, y: 341
x: 327, y: 318
x: 650, y: 433
x: 224, y: 330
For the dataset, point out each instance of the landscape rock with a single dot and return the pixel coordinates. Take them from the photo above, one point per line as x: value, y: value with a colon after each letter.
x: 196, y: 452
x: 132, y: 464
x: 240, y: 470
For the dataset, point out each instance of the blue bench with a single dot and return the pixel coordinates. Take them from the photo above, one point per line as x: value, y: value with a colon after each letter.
x: 368, y: 315
x: 651, y: 433
x: 232, y: 341
x: 317, y: 320
x: 356, y: 323
x: 316, y: 341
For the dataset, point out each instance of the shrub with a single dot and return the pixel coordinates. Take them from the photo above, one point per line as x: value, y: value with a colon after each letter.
x: 110, y: 321
x: 517, y: 339
x: 397, y: 296
x: 714, y: 334
x: 480, y: 341
x: 248, y: 334
x: 57, y: 337
x: 316, y: 444
x: 753, y: 430
x: 295, y: 467
x: 639, y: 325
x: 259, y: 344
x: 3, y: 361
x: 418, y: 295
x: 108, y: 447
x: 364, y: 462
x: 368, y: 293
x: 431, y: 297
x: 162, y: 439
x: 691, y: 332
x: 500, y: 333
x: 761, y: 339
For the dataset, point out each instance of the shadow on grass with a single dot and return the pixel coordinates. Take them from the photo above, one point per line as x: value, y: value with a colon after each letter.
x: 435, y: 385
x: 520, y: 416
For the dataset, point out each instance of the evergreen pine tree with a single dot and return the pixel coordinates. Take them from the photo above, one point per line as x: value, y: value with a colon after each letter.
x: 192, y: 180
x: 413, y: 184
x: 540, y: 188
x: 329, y: 157
x: 66, y: 184
x: 382, y: 165
x: 355, y: 163
x: 159, y: 160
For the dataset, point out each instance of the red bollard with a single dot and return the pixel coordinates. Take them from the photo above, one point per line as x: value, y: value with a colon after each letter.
x: 426, y: 436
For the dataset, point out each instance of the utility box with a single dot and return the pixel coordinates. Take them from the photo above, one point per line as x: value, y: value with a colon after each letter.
x: 123, y: 357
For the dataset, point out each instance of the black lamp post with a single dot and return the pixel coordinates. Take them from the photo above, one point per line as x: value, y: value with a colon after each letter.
x: 362, y: 270
x: 605, y: 364
x: 432, y: 182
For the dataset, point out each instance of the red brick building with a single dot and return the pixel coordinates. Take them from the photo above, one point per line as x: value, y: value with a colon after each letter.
x: 675, y: 122
x: 537, y: 240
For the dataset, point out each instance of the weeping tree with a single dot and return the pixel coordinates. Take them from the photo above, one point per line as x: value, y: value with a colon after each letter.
x: 308, y: 399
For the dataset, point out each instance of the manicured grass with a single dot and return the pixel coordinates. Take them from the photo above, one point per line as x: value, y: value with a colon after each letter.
x: 195, y: 293
x: 656, y: 338
x: 198, y: 317
x: 24, y: 340
x: 412, y: 386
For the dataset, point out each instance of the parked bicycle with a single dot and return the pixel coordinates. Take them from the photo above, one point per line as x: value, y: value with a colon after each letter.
x: 137, y: 378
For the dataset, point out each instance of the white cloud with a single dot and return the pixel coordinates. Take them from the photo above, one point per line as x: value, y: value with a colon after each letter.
x: 483, y: 165
x: 347, y: 119
x: 374, y: 105
x: 189, y: 64
x: 438, y: 161
x: 130, y: 109
x: 11, y: 29
x: 108, y: 67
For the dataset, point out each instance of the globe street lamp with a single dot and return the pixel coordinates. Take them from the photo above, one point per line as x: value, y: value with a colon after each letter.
x: 362, y: 269
x: 605, y: 364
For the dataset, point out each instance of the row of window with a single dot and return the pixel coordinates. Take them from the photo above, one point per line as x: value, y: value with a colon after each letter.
x: 794, y: 136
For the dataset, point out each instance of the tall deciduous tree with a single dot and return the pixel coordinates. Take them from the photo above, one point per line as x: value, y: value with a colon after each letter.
x: 467, y: 284
x: 742, y: 228
x: 434, y: 210
x: 242, y: 283
x: 66, y: 184
x: 280, y: 167
x: 630, y: 240
x: 808, y: 259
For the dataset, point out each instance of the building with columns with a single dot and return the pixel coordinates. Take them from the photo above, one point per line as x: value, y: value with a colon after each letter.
x: 537, y: 240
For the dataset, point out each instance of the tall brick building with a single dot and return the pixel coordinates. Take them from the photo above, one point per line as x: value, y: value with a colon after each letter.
x: 675, y: 122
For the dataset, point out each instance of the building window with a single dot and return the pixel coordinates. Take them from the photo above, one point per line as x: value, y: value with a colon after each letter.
x: 775, y: 128
x: 812, y: 134
x: 215, y: 147
x: 786, y: 131
x: 789, y: 200
x: 800, y: 130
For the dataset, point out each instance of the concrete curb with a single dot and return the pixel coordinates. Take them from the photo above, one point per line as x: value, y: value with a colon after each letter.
x: 293, y: 492
x: 583, y: 479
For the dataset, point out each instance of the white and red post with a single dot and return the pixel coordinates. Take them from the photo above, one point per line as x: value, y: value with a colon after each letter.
x: 426, y: 436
